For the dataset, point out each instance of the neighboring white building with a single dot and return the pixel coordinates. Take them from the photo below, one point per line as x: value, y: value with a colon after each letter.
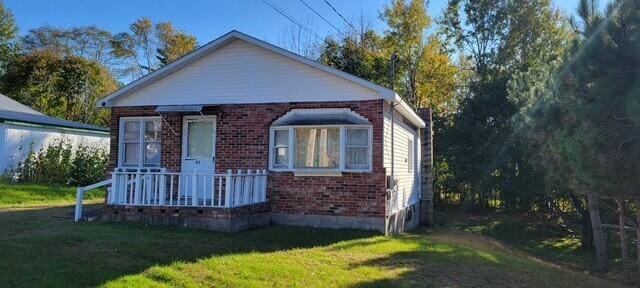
x: 23, y: 130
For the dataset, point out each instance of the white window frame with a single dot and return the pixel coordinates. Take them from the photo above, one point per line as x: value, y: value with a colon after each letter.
x: 292, y: 149
x: 273, y: 146
x: 121, y: 142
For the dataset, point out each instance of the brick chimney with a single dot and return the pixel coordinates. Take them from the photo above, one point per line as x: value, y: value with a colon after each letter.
x: 426, y: 151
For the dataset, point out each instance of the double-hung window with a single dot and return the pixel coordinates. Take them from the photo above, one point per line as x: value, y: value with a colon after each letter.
x: 280, y: 148
x: 140, y: 142
x: 357, y: 148
x: 308, y: 142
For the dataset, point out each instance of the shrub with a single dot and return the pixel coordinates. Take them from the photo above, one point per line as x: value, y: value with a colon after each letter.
x: 60, y: 164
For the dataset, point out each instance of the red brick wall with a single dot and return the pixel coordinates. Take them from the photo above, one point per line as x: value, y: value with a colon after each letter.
x: 242, y: 142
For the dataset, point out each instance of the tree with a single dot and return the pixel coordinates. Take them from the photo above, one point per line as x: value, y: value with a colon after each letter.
x: 173, y: 44
x: 588, y: 118
x: 492, y: 161
x: 404, y: 38
x: 89, y: 42
x: 301, y: 41
x: 8, y: 33
x: 437, y: 79
x: 64, y: 87
x: 146, y: 47
x: 360, y: 56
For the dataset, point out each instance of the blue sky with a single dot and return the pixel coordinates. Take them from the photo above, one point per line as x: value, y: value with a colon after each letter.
x: 206, y: 20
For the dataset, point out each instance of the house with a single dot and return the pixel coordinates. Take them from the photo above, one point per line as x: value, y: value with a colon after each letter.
x: 241, y: 133
x: 23, y: 130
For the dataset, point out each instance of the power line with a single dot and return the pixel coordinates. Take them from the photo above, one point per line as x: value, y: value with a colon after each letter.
x: 321, y: 17
x: 343, y: 18
x: 283, y: 13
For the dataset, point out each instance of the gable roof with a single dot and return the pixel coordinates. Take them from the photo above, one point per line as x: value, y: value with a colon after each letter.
x: 9, y: 104
x: 13, y: 111
x: 382, y: 92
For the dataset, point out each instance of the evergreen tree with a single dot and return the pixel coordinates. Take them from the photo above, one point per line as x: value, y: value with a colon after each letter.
x: 487, y: 160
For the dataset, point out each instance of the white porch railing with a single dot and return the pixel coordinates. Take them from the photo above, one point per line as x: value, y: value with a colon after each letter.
x: 80, y: 196
x: 228, y: 190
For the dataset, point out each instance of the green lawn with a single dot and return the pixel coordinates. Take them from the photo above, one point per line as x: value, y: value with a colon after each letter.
x: 42, y: 247
x: 547, y: 240
x: 29, y: 195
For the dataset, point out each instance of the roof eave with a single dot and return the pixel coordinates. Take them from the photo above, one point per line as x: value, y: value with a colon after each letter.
x: 407, y: 111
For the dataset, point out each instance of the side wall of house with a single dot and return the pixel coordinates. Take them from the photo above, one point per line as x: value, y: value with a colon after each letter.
x: 18, y: 141
x: 3, y: 148
x: 353, y: 200
x: 401, y: 211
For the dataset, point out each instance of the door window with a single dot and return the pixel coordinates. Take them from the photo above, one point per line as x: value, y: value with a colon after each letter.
x: 200, y: 139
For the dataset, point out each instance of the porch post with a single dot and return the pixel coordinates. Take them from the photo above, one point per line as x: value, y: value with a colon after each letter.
x: 229, y: 189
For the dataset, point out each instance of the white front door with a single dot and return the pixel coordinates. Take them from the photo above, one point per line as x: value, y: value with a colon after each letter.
x: 198, y: 156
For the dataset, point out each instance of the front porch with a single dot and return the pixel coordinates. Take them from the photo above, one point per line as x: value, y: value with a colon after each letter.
x: 157, y: 187
x: 227, y: 202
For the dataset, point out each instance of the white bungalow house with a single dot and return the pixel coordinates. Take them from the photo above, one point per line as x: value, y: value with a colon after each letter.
x: 23, y: 130
x: 241, y: 133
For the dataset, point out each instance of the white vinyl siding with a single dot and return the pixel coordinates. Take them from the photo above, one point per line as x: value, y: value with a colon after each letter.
x: 241, y: 73
x: 410, y: 156
x: 17, y: 142
x: 407, y: 178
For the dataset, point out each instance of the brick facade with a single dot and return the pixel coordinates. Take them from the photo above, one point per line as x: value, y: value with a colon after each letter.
x: 217, y: 219
x: 242, y: 142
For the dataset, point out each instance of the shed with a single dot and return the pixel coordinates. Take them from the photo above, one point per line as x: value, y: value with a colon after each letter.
x: 23, y: 130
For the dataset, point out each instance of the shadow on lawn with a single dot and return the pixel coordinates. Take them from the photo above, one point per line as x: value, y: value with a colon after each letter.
x: 44, y: 248
x: 466, y: 261
x: 424, y: 263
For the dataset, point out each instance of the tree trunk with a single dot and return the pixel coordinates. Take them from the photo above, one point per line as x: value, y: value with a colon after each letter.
x: 623, y: 239
x: 586, y: 241
x: 637, y: 201
x: 602, y: 263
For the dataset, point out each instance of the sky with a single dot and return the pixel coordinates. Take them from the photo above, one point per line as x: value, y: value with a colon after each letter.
x: 210, y: 19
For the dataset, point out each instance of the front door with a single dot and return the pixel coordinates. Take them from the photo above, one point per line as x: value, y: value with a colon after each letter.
x: 198, y: 156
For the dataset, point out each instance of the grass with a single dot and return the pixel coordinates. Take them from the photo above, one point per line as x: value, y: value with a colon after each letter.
x: 548, y: 241
x: 42, y: 247
x: 30, y: 195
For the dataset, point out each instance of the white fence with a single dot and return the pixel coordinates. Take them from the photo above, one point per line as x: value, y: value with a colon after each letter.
x: 189, y: 189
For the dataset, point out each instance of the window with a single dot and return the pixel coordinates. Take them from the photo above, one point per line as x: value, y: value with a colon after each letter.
x: 199, y: 139
x: 325, y: 141
x: 140, y: 141
x: 357, y: 148
x: 317, y: 147
x: 410, y: 155
x: 281, y: 148
x: 326, y: 148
